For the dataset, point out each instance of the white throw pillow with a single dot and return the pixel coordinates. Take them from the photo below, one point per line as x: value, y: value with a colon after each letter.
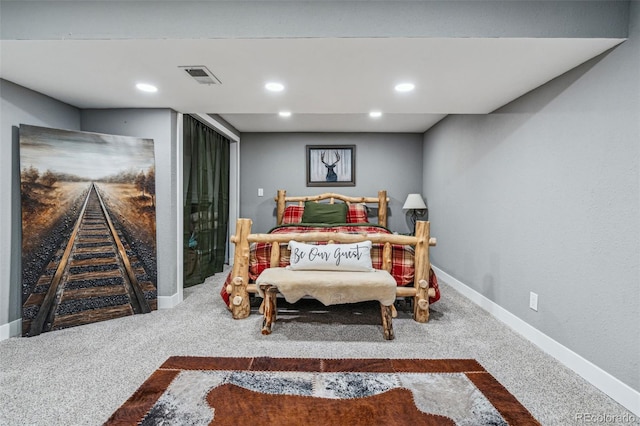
x: 330, y: 257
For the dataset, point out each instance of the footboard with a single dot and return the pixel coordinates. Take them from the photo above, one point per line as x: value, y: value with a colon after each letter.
x: 239, y: 287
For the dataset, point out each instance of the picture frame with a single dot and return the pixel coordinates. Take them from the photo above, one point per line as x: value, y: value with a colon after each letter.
x: 331, y: 165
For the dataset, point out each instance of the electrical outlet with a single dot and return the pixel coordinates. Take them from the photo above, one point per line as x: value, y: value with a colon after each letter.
x: 533, y: 301
x: 260, y: 192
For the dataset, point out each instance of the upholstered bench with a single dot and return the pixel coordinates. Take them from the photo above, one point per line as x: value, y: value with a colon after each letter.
x: 330, y: 288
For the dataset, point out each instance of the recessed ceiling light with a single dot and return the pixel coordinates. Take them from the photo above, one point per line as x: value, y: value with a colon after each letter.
x: 146, y: 87
x: 405, y: 87
x: 375, y: 114
x: 284, y: 113
x: 274, y: 87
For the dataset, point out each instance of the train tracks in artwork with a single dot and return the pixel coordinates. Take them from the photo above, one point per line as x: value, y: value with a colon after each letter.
x: 93, y: 277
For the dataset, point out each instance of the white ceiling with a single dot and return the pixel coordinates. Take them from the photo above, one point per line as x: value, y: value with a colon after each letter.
x: 331, y: 83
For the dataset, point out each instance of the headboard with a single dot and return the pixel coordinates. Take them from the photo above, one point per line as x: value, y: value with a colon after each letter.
x: 381, y: 202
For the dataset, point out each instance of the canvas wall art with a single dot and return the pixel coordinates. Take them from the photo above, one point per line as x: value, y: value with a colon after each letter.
x: 331, y: 165
x: 88, y: 228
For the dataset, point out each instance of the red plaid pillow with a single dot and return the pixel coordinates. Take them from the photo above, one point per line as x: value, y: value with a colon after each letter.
x: 357, y: 213
x: 292, y: 214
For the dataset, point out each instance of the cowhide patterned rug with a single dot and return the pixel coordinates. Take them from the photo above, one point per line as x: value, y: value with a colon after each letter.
x: 308, y: 391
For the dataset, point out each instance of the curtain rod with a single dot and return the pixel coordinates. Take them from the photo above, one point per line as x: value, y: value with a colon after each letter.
x: 217, y: 127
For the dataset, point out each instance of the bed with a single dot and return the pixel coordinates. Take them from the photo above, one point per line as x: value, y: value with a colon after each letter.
x: 303, y: 217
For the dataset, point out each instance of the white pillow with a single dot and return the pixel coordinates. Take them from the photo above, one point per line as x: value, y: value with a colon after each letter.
x: 330, y: 257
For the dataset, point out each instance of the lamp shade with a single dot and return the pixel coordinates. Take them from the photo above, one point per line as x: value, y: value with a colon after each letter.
x: 414, y: 201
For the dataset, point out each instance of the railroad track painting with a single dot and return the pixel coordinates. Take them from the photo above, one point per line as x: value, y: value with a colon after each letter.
x: 94, y: 278
x: 88, y: 228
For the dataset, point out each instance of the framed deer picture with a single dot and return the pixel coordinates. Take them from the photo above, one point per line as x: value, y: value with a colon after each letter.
x: 331, y: 165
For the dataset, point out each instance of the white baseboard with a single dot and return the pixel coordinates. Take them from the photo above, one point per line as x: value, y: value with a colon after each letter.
x: 614, y: 388
x: 12, y: 329
x: 168, y: 302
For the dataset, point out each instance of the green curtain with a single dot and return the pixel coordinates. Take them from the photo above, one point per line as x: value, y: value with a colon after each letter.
x: 206, y: 200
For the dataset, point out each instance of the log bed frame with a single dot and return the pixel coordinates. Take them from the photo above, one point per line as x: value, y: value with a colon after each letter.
x: 239, y: 288
x: 381, y: 201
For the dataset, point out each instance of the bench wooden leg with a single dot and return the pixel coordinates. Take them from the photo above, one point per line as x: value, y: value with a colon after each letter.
x: 387, y: 321
x: 270, y: 308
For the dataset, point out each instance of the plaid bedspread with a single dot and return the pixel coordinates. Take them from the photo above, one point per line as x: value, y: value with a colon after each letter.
x: 402, y: 256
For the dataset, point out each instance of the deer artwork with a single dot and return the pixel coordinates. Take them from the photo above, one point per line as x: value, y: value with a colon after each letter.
x: 331, y: 174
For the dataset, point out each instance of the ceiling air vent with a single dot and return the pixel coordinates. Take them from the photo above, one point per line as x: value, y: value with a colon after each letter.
x: 201, y: 74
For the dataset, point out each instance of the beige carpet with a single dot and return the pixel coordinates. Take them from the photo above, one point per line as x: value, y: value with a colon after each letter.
x: 81, y: 375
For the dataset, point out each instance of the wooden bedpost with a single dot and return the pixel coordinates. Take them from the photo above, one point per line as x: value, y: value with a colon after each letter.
x: 422, y: 267
x: 386, y: 257
x: 274, y: 261
x: 280, y: 199
x: 239, y: 296
x: 382, y: 208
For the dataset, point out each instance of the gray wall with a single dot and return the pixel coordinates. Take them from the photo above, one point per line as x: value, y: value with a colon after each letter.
x: 19, y: 106
x: 544, y: 196
x: 277, y: 161
x: 159, y: 125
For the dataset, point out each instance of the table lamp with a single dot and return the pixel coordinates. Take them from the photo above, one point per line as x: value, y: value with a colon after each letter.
x: 416, y: 204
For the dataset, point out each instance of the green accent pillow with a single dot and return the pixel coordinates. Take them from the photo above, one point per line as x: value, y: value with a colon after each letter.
x: 324, y: 213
